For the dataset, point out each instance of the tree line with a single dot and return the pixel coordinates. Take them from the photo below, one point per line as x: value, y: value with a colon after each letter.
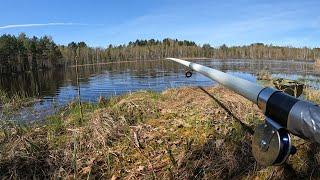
x: 154, y: 49
x: 21, y: 53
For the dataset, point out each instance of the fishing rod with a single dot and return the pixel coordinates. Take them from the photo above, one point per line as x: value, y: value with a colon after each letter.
x: 284, y: 115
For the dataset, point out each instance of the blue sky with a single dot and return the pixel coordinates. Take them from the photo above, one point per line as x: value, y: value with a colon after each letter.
x: 101, y: 22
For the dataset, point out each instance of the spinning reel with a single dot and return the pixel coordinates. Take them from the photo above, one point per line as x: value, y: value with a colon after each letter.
x: 271, y: 144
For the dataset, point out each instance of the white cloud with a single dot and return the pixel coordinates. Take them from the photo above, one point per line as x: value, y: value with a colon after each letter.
x: 12, y: 26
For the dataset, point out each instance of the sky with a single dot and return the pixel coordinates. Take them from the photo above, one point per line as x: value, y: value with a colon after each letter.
x: 102, y: 22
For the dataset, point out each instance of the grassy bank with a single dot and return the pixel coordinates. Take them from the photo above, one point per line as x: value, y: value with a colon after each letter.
x: 181, y: 133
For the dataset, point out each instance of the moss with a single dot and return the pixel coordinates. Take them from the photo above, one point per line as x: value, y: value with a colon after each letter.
x: 58, y: 141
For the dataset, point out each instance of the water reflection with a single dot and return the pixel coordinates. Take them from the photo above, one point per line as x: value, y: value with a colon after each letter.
x: 57, y: 87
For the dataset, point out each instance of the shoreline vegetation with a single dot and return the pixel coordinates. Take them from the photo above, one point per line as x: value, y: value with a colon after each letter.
x: 9, y: 103
x: 23, y: 54
x: 177, y: 134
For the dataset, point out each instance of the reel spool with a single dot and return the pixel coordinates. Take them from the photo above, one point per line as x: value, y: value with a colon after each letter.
x: 271, y: 144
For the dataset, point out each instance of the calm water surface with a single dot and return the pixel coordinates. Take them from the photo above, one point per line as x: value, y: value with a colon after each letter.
x: 58, y: 87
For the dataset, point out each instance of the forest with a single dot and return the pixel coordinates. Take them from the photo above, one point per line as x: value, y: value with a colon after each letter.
x: 22, y: 53
x: 19, y: 54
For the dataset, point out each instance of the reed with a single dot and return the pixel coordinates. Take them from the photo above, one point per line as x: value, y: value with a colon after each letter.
x: 78, y: 89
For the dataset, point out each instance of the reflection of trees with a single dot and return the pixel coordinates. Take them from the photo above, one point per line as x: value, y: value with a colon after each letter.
x: 33, y: 84
x: 137, y: 69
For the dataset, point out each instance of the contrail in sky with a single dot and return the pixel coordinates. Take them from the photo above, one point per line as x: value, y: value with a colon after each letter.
x: 10, y: 26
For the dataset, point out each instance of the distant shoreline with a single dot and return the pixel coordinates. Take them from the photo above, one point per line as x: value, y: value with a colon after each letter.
x: 188, y: 58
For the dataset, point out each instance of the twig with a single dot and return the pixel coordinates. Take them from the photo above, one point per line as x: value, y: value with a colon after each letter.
x: 173, y: 160
x: 75, y: 154
x: 79, y: 91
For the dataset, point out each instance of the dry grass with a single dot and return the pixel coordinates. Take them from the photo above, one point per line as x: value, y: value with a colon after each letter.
x: 178, y: 134
x: 313, y: 95
x: 15, y: 102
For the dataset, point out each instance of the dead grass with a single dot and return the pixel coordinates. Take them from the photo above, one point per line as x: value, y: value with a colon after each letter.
x: 313, y: 95
x: 178, y: 134
x: 9, y: 104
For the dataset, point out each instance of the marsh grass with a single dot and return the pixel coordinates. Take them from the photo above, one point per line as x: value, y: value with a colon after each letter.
x: 178, y: 134
x: 12, y: 103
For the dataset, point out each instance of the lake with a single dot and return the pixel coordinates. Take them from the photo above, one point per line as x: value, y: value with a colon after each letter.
x: 57, y: 87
